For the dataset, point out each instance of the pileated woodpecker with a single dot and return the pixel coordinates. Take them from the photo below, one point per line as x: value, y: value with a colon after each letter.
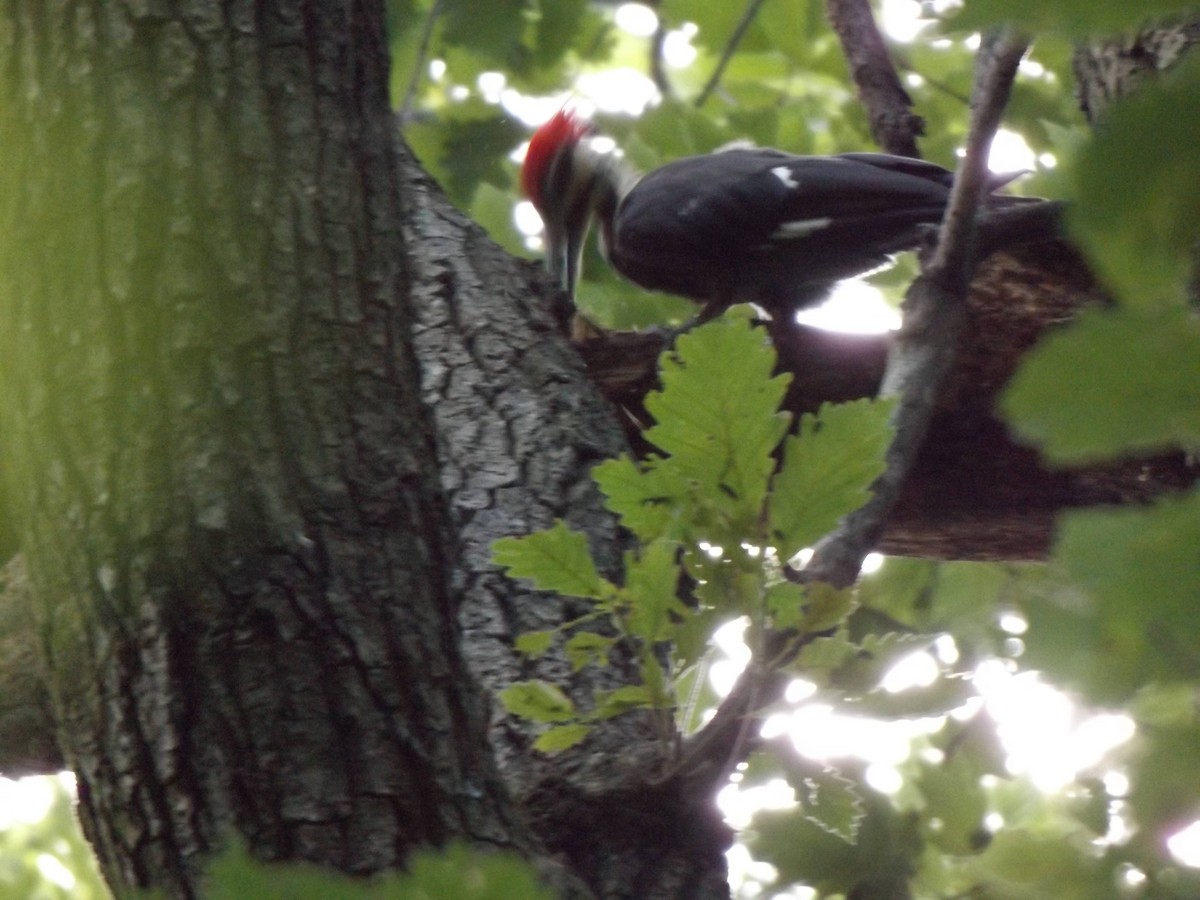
x: 743, y: 224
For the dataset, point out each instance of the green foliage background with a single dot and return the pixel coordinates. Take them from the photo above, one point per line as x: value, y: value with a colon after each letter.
x: 1112, y: 617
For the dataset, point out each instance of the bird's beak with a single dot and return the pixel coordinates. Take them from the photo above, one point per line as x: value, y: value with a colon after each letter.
x: 564, y: 251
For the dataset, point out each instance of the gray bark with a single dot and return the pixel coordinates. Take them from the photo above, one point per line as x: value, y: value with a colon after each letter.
x: 1108, y: 69
x: 259, y: 563
x: 228, y: 486
x: 519, y: 427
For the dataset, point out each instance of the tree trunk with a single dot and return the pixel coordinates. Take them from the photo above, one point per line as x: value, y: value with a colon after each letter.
x: 1108, y: 69
x: 261, y: 579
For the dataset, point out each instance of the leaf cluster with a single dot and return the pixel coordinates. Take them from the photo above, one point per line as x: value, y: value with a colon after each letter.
x: 726, y: 498
x: 1110, y: 619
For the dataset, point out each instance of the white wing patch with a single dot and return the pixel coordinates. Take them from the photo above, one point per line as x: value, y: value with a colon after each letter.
x: 802, y: 228
x: 784, y: 174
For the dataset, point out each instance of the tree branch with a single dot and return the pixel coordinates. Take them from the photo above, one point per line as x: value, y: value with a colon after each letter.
x: 893, y: 124
x: 934, y: 316
x: 918, y: 361
x: 418, y: 73
x: 973, y: 492
x: 658, y: 74
x: 752, y: 8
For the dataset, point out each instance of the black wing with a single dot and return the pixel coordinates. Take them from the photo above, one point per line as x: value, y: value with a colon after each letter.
x: 815, y: 219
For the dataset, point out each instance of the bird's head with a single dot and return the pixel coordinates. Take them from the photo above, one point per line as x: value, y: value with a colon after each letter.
x: 567, y: 178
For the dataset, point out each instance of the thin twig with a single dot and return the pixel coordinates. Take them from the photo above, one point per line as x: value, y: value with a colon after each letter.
x: 934, y: 83
x: 919, y: 359
x: 934, y: 310
x: 658, y: 73
x: 418, y: 74
x: 889, y: 108
x: 736, y: 38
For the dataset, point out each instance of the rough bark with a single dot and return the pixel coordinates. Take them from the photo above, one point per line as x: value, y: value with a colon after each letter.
x: 519, y: 427
x: 262, y: 580
x: 1108, y: 69
x: 227, y: 483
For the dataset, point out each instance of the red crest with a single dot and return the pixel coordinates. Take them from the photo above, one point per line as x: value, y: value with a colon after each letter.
x: 564, y: 129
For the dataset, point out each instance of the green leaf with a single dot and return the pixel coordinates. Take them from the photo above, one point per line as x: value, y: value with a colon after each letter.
x: 828, y: 799
x: 877, y: 865
x: 827, y: 471
x: 823, y: 656
x: 901, y: 590
x: 717, y: 414
x: 539, y: 701
x: 1088, y: 803
x: 468, y: 144
x: 555, y: 560
x: 647, y: 499
x: 621, y: 306
x: 696, y: 696
x: 670, y: 130
x: 1128, y: 618
x: 935, y: 699
x: 560, y: 737
x: 559, y: 23
x: 1032, y: 864
x: 785, y: 604
x: 717, y: 418
x: 587, y: 648
x: 692, y: 637
x: 622, y: 700
x: 863, y: 671
x: 1167, y: 704
x: 534, y: 643
x: 1136, y: 186
x: 235, y: 875
x: 491, y: 31
x: 1142, y: 563
x: 1069, y: 18
x: 954, y: 797
x: 825, y: 607
x: 654, y: 678
x: 1114, y: 382
x: 651, y: 583
x: 1165, y: 782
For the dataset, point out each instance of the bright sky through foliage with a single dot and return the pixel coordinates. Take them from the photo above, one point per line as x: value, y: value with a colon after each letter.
x: 1047, y: 737
x: 26, y: 801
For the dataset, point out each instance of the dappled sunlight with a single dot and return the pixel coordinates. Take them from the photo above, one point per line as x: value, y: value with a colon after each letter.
x: 748, y: 876
x: 739, y: 804
x: 26, y: 800
x: 1185, y: 845
x: 637, y: 19
x: 854, y: 307
x: 40, y: 838
x: 1046, y: 737
x: 54, y: 871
